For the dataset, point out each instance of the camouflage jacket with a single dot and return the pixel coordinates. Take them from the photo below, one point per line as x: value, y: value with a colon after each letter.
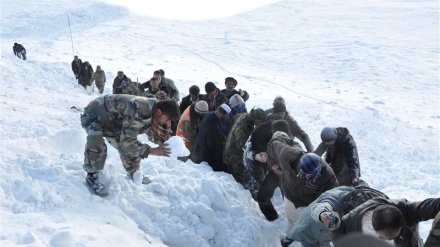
x: 124, y: 117
x: 99, y: 76
x: 236, y: 140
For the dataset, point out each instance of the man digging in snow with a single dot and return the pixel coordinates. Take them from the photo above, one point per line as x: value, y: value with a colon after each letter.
x: 120, y: 119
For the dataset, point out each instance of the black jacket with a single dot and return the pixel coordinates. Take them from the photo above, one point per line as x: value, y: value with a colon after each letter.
x: 219, y: 100
x: 86, y: 70
x: 18, y: 48
x: 344, y: 158
x: 186, y: 101
x: 76, y: 66
x: 209, y: 146
x: 413, y: 212
x: 229, y: 94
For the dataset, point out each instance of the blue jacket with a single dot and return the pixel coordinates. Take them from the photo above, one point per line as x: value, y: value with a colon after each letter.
x: 309, y: 229
x: 209, y: 146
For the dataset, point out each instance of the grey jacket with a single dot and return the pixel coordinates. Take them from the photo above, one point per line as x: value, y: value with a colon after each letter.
x: 310, y: 229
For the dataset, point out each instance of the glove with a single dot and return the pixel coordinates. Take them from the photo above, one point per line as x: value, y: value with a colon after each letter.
x: 355, y: 182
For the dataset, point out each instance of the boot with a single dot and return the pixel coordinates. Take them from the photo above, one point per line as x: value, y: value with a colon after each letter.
x: 145, y: 179
x: 92, y: 179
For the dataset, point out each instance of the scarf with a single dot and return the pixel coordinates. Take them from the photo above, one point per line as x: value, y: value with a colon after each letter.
x: 212, y: 100
x: 160, y: 133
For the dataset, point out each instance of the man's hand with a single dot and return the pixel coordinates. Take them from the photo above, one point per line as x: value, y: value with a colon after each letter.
x: 162, y: 150
x: 330, y: 220
x: 241, y: 92
x: 262, y: 157
x: 355, y: 182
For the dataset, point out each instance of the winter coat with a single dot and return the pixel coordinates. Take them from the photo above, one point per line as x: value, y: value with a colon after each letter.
x: 186, y: 101
x: 413, y: 213
x: 123, y: 117
x: 209, y: 145
x: 229, y: 120
x: 228, y: 95
x: 296, y: 131
x: 309, y: 229
x: 256, y: 144
x: 19, y: 48
x: 342, y: 156
x: 86, y: 70
x: 130, y: 89
x: 76, y: 66
x: 185, y: 130
x: 233, y: 152
x: 98, y: 76
x: 85, y: 73
x: 219, y: 99
x: 172, y: 89
x: 300, y: 191
x: 151, y: 93
x: 117, y: 82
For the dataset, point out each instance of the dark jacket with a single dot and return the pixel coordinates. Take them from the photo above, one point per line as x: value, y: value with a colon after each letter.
x: 413, y: 212
x: 172, y: 89
x: 209, y: 146
x: 18, y: 48
x: 86, y: 70
x: 186, y: 101
x: 117, y: 82
x: 219, y: 99
x: 230, y: 119
x: 150, y: 93
x: 85, y: 73
x: 76, y: 66
x: 296, y: 131
x: 342, y: 156
x: 229, y: 94
x: 300, y: 191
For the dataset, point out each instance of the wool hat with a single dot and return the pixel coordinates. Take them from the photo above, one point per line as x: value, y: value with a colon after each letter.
x: 310, y: 163
x: 226, y: 108
x: 278, y: 107
x: 161, y: 95
x: 209, y: 87
x: 235, y: 100
x: 257, y: 114
x: 201, y: 107
x: 232, y: 80
x: 328, y: 134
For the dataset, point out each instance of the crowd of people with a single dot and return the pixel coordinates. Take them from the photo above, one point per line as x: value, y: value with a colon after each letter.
x: 325, y: 198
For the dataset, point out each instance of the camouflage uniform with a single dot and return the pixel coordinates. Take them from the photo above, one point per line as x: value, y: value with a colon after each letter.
x: 99, y: 78
x: 120, y: 119
x: 235, y: 143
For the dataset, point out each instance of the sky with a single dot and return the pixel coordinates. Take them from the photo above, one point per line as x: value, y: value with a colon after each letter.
x: 370, y: 66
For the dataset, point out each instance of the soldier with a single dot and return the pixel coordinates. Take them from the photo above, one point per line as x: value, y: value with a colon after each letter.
x: 235, y: 142
x: 99, y: 78
x: 120, y: 119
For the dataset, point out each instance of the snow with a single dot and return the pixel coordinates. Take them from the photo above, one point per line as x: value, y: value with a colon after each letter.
x: 370, y: 66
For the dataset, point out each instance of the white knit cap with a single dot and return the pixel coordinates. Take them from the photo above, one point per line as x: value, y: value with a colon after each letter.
x: 201, y: 107
x: 235, y: 100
